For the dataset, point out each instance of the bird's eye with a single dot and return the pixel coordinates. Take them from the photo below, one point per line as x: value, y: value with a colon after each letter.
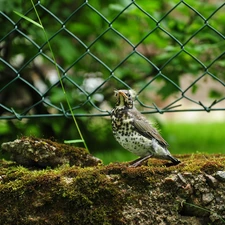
x: 128, y: 94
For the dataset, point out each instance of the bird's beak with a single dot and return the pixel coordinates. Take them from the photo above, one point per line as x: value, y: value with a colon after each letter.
x: 122, y: 93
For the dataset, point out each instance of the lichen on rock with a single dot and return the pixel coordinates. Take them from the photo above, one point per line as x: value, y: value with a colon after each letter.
x: 30, y: 151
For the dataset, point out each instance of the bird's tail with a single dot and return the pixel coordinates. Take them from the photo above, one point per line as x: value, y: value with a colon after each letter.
x: 174, y: 160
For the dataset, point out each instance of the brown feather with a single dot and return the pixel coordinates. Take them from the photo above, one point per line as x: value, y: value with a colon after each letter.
x: 143, y: 127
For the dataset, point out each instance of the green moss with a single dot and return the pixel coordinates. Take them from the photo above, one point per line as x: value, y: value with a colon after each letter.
x: 97, y: 194
x: 76, y: 191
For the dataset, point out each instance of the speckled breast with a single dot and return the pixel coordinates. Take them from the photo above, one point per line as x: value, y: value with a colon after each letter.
x: 127, y: 136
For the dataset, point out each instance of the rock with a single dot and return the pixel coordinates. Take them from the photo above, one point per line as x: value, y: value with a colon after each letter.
x: 220, y: 175
x: 110, y: 194
x: 36, y: 152
x: 207, y: 198
x: 212, y: 182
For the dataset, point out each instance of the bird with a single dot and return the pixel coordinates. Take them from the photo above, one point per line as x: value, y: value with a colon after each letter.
x: 135, y: 133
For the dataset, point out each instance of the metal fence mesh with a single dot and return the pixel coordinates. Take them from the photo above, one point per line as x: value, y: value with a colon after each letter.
x: 193, y: 42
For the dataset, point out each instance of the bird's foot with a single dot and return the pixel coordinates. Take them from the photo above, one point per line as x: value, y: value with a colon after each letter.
x: 137, y: 162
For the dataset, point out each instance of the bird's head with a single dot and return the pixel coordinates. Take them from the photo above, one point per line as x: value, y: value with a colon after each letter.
x: 124, y: 98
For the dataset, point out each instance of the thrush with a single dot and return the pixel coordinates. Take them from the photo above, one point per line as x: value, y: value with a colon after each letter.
x: 134, y: 132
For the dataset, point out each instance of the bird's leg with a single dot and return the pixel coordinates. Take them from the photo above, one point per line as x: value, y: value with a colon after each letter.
x: 138, y: 161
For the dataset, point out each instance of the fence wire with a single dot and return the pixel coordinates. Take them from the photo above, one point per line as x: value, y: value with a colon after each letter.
x: 167, y: 50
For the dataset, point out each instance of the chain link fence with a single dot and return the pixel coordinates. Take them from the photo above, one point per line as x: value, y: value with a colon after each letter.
x: 170, y: 52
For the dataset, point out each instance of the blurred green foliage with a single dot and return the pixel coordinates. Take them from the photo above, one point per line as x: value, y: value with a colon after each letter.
x: 135, y: 41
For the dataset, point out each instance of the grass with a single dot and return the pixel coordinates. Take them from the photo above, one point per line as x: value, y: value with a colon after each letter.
x: 183, y: 138
x: 193, y: 138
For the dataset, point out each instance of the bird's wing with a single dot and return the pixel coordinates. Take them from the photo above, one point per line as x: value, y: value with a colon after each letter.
x: 145, y: 129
